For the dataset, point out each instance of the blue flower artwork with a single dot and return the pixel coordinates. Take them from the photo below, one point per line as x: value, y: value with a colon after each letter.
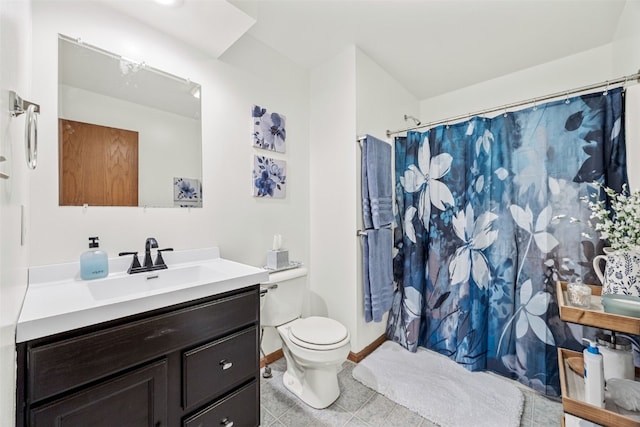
x: 269, y: 131
x: 187, y: 192
x: 269, y: 177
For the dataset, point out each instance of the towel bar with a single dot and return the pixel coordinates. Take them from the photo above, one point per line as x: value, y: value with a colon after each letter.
x: 18, y: 106
x: 364, y: 232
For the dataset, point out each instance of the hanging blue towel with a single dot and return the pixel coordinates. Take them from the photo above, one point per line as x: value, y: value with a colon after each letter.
x: 377, y: 204
x: 377, y: 273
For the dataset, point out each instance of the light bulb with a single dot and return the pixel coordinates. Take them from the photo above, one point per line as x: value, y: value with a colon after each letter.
x: 170, y: 3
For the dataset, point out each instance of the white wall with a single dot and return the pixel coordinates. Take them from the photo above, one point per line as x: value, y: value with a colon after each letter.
x: 626, y: 60
x: 381, y: 103
x: 626, y: 41
x: 350, y: 96
x: 241, y: 225
x: 619, y: 58
x: 15, y: 72
x: 169, y: 145
x: 632, y: 135
x: 578, y: 70
x: 332, y: 148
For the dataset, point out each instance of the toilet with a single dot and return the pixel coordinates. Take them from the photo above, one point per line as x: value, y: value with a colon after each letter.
x: 314, y: 347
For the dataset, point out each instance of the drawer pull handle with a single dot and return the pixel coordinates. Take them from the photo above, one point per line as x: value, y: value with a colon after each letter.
x: 226, y: 422
x: 226, y: 365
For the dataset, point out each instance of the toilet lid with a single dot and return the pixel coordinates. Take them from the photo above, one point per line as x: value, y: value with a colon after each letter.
x: 318, y: 331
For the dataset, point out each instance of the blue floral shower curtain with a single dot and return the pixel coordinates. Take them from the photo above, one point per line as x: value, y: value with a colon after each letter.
x: 489, y: 217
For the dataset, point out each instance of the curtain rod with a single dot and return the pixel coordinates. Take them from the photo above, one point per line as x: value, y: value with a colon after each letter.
x: 566, y: 93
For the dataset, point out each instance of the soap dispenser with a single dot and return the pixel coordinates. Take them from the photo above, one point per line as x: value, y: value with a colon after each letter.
x: 94, y: 263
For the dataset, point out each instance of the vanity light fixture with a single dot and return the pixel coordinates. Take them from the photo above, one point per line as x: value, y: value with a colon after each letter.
x: 170, y: 3
x: 130, y: 66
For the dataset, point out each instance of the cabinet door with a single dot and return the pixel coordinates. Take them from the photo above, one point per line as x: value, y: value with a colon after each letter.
x: 239, y: 409
x: 137, y: 399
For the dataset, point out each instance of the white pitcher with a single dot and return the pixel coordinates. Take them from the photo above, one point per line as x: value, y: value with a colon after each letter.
x: 621, y: 274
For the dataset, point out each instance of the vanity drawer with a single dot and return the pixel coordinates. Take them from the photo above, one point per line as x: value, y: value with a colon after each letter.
x: 216, y: 367
x: 69, y: 363
x: 237, y: 409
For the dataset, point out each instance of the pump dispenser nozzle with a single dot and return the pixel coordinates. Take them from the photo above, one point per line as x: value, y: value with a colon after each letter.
x: 93, y: 242
x: 592, y: 347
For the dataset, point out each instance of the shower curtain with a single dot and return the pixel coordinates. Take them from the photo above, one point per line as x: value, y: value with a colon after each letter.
x: 489, y: 216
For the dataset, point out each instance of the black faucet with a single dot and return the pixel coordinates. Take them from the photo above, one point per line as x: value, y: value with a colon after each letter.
x: 159, y: 264
x: 151, y: 243
x: 135, y: 266
x: 149, y: 265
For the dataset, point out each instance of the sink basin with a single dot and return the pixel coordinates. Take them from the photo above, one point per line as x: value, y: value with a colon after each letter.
x: 626, y: 305
x: 116, y: 287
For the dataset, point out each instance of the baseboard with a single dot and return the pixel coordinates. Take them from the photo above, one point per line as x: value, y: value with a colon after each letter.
x: 271, y: 357
x: 357, y: 357
x: 354, y: 357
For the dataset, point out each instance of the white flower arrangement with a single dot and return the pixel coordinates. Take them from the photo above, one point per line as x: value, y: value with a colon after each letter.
x: 621, y: 225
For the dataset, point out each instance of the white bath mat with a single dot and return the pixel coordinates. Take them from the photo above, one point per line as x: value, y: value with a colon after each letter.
x: 439, y: 389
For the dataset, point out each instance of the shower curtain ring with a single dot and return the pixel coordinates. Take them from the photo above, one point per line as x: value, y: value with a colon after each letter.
x: 606, y: 89
x: 535, y: 104
x: 566, y: 99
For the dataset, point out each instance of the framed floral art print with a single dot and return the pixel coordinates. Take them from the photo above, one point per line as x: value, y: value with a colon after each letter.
x: 269, y: 131
x: 187, y: 192
x: 269, y: 177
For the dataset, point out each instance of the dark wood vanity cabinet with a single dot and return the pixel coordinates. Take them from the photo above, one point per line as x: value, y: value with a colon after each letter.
x: 192, y: 364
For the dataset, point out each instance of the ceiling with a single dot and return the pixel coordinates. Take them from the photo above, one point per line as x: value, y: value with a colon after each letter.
x: 430, y: 46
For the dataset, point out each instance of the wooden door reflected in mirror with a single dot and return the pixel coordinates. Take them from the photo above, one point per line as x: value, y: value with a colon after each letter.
x: 98, y: 165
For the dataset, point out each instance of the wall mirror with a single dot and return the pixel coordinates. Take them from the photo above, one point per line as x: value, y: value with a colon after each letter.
x: 128, y: 134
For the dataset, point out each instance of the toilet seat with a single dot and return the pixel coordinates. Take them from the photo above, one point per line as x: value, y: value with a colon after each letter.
x: 318, y: 333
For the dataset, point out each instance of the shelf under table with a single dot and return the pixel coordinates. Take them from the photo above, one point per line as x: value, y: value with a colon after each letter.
x: 595, y: 315
x: 572, y: 386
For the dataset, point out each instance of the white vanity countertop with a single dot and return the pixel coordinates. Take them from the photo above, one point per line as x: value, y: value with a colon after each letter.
x: 57, y: 300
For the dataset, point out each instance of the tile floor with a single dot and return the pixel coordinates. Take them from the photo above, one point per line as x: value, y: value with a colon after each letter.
x: 360, y: 406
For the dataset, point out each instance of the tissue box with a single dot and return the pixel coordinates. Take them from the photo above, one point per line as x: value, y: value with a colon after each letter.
x: 277, y: 259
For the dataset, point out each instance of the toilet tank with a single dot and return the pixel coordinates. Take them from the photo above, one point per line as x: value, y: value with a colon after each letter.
x: 284, y: 298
